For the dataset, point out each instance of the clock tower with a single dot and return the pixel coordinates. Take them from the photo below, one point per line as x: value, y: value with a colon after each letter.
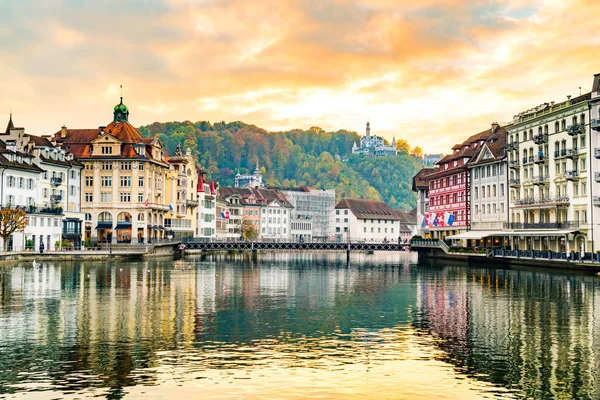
x: 120, y: 112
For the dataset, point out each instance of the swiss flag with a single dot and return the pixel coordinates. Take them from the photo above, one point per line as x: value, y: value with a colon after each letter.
x: 439, y: 219
x: 146, y: 203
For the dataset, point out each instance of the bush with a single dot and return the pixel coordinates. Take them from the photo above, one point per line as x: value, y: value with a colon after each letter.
x: 416, y: 237
x: 29, y: 244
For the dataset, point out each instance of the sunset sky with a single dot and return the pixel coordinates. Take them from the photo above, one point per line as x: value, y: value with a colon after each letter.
x: 429, y: 71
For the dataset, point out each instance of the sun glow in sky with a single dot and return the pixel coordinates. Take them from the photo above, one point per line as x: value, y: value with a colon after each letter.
x: 430, y: 71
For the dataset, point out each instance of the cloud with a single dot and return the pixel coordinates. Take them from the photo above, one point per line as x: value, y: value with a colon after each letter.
x: 433, y: 71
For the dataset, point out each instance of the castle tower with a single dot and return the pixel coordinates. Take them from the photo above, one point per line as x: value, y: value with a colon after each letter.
x: 368, y: 129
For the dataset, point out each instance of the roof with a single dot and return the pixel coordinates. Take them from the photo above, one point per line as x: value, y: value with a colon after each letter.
x: 496, y: 144
x: 368, y: 209
x: 420, y: 179
x: 405, y: 217
x: 78, y: 141
x: 39, y: 141
x: 256, y: 196
x: 4, y: 161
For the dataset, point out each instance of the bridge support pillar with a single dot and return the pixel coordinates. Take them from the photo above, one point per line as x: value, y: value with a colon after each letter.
x: 348, y: 257
x: 254, y: 255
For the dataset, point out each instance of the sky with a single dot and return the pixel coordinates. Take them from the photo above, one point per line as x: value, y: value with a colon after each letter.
x: 432, y: 72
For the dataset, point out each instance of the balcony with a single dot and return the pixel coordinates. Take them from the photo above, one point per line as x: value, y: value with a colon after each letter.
x: 56, y: 181
x: 528, y: 160
x: 512, y: 146
x: 597, y: 176
x: 540, y: 138
x: 55, y: 198
x: 596, y: 201
x: 595, y: 124
x: 543, y: 225
x: 575, y: 129
x: 192, y: 203
x: 571, y: 175
x: 540, y: 159
x: 514, y: 182
x: 539, y: 180
x: 544, y: 201
x: 513, y: 164
x: 561, y: 153
x: 571, y: 153
x: 597, y: 152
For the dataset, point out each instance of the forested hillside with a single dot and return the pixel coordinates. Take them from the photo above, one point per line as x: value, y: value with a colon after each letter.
x: 297, y: 157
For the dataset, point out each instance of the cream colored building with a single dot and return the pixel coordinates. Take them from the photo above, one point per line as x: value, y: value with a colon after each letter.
x: 182, y: 196
x: 123, y: 181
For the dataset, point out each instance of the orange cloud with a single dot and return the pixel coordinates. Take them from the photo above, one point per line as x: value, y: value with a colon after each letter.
x: 432, y: 71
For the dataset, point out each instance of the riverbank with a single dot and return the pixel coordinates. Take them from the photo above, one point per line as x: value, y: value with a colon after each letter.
x: 115, y: 252
x: 508, y: 261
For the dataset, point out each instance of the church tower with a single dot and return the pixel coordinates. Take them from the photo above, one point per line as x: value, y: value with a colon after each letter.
x: 120, y: 112
x: 368, y: 129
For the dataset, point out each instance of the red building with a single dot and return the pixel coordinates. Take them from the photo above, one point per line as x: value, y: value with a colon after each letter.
x: 449, y: 189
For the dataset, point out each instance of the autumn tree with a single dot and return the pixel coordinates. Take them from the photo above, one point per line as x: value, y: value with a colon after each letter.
x: 417, y: 152
x: 11, y: 221
x: 249, y: 231
x: 402, y: 146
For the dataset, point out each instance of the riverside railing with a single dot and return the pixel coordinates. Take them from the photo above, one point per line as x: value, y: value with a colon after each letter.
x: 546, y: 255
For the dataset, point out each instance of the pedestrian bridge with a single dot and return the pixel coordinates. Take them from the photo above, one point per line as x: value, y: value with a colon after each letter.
x: 293, y: 246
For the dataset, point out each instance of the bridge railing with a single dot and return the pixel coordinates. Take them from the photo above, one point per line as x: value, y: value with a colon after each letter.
x: 431, y: 244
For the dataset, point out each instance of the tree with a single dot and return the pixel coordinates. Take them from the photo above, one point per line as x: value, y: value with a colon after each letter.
x: 402, y: 146
x: 249, y: 232
x: 417, y: 152
x: 11, y: 220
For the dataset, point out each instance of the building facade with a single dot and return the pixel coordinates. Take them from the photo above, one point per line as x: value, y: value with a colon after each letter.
x: 549, y: 156
x: 420, y: 185
x: 253, y: 180
x: 365, y: 220
x: 123, y: 181
x: 312, y: 213
x: 181, y: 194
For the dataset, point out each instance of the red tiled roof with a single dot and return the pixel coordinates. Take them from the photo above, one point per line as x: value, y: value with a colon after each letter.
x: 368, y: 209
x: 420, y: 179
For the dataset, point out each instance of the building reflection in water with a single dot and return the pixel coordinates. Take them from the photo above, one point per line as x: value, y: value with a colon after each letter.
x: 84, y: 326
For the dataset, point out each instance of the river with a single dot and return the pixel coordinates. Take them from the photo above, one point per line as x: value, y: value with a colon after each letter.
x: 297, y: 326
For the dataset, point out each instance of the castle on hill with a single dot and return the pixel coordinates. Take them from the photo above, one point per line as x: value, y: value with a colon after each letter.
x: 374, y: 145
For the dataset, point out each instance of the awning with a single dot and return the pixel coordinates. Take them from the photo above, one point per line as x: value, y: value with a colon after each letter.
x: 162, y: 228
x: 547, y: 232
x: 104, y: 225
x: 123, y: 226
x: 475, y: 235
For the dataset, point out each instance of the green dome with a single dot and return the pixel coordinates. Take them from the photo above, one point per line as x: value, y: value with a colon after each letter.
x: 123, y: 107
x: 117, y: 107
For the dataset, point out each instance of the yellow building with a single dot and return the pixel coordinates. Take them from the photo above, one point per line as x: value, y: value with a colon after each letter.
x: 123, y: 180
x: 182, y: 196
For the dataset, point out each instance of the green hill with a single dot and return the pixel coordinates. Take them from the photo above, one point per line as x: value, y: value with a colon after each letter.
x: 298, y: 157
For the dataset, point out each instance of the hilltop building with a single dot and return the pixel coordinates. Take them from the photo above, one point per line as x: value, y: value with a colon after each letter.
x: 253, y: 180
x: 430, y: 159
x: 374, y: 145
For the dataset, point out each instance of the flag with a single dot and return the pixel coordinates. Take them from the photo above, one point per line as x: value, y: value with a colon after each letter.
x: 170, y: 207
x: 424, y: 224
x: 225, y: 214
x: 146, y: 203
x: 448, y: 219
x: 430, y: 219
x: 439, y: 219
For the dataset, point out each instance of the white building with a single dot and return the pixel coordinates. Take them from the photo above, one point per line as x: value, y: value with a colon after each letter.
x: 420, y: 185
x: 253, y: 180
x: 549, y: 159
x: 374, y: 145
x: 58, y: 190
x: 365, y: 220
x: 207, y: 209
x: 594, y: 128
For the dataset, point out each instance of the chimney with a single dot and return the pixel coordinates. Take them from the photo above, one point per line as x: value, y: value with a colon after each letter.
x: 63, y: 131
x: 494, y: 126
x: 569, y: 98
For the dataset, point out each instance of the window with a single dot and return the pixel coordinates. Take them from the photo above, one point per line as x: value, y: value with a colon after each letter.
x: 141, y: 181
x: 106, y: 165
x: 89, y: 181
x: 126, y: 165
x: 72, y: 174
x: 501, y: 189
x: 141, y: 166
x: 11, y: 181
x: 21, y: 183
x: 583, y: 188
x: 583, y: 164
x: 72, y: 190
x: 106, y: 149
x: 88, y: 216
x: 125, y: 181
x: 105, y: 197
x: 106, y: 181
x: 30, y: 184
x: 582, y: 141
x: 88, y: 197
x: 125, y: 197
x: 45, y: 192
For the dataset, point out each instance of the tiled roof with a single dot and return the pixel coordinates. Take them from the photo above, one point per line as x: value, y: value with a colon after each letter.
x: 15, y: 164
x: 405, y: 217
x: 367, y: 209
x: 496, y: 142
x: 39, y: 141
x: 254, y: 196
x: 420, y: 179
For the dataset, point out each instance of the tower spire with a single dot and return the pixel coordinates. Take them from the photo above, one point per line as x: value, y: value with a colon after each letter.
x: 10, y: 124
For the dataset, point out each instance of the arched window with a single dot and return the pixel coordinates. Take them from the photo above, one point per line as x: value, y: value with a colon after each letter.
x: 105, y: 217
x: 88, y: 216
x: 141, y: 217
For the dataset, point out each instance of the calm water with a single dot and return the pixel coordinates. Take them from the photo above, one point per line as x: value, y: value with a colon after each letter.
x: 297, y: 326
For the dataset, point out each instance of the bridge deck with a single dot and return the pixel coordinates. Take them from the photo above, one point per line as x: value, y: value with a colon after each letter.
x: 287, y: 246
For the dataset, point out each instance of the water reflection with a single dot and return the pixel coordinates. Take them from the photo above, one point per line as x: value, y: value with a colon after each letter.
x: 296, y: 325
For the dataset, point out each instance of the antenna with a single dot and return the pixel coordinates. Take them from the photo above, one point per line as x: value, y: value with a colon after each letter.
x: 121, y: 86
x: 580, y: 90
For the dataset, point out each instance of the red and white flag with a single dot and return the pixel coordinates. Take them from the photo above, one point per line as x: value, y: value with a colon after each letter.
x: 146, y: 203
